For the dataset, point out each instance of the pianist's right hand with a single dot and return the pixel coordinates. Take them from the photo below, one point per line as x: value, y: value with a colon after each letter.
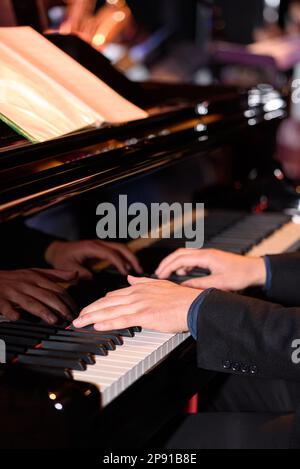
x: 37, y: 292
x: 229, y: 272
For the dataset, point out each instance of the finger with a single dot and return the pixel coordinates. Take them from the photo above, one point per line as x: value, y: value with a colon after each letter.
x: 117, y: 261
x: 128, y: 255
x: 9, y: 312
x: 102, y: 315
x: 140, y: 281
x: 182, y: 272
x: 122, y: 322
x: 183, y: 261
x: 117, y: 293
x: 95, y: 251
x: 82, y: 272
x: 169, y: 259
x: 63, y: 295
x: 57, y: 275
x: 44, y: 283
x: 70, y: 303
x: 106, y: 303
x: 211, y: 281
x: 35, y: 307
x: 113, y: 300
x: 51, y: 300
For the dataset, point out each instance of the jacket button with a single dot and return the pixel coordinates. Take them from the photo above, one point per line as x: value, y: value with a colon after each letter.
x: 227, y: 365
x: 245, y: 369
x: 254, y: 370
x: 236, y: 367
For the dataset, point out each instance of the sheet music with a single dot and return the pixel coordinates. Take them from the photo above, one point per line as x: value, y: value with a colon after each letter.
x: 37, y: 106
x: 47, y: 94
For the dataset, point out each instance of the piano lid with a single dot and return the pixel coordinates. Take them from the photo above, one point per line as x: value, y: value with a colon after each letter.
x: 188, y: 121
x: 36, y: 177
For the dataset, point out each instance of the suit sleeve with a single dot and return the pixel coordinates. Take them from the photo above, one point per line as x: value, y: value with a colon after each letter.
x: 284, y: 282
x: 244, y: 336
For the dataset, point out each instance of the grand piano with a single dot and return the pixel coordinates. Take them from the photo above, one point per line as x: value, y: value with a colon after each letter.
x: 63, y: 388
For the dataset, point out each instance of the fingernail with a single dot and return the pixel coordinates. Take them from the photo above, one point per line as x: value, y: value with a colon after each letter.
x: 77, y: 322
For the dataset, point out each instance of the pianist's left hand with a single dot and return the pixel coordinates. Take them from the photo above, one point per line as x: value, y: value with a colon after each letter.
x: 76, y: 257
x: 152, y: 304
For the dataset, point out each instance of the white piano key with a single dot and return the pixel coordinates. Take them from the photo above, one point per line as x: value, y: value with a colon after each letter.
x: 116, y: 372
x: 285, y: 239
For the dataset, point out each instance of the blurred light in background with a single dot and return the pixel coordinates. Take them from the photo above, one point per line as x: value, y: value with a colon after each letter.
x: 271, y: 11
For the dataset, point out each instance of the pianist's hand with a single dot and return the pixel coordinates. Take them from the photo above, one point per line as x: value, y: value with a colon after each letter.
x: 152, y: 304
x: 76, y: 257
x: 228, y: 271
x: 37, y: 292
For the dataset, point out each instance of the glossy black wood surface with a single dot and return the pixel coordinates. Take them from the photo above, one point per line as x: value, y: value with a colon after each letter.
x: 36, y: 177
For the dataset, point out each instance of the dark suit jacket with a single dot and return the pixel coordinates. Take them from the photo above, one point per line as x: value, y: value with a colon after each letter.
x: 245, y: 336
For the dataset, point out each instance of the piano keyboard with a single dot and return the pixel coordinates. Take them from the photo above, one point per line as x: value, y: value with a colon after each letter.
x: 119, y: 370
x: 286, y: 239
x: 114, y: 361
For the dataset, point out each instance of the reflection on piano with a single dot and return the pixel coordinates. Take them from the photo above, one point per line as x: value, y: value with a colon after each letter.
x: 123, y: 388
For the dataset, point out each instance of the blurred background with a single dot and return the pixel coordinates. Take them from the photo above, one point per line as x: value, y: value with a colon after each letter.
x: 231, y: 42
x: 202, y: 41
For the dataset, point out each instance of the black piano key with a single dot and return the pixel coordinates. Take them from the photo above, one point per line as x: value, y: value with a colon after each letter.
x: 15, y: 349
x: 46, y: 370
x: 240, y: 244
x: 199, y: 273
x: 125, y: 332
x: 195, y: 273
x: 136, y: 330
x: 239, y: 251
x: 121, y: 332
x: 21, y: 333
x: 28, y: 327
x: 117, y: 340
x: 53, y: 362
x: 42, y: 325
x: 71, y: 336
x: 87, y: 358
x: 10, y: 356
x: 106, y: 343
x: 227, y: 248
x: 74, y: 347
x: 229, y: 243
x: 179, y: 279
x: 245, y: 235
x: 62, y: 326
x: 19, y: 341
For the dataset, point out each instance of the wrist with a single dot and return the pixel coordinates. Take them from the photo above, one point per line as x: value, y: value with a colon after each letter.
x: 195, y: 310
x: 258, y: 272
